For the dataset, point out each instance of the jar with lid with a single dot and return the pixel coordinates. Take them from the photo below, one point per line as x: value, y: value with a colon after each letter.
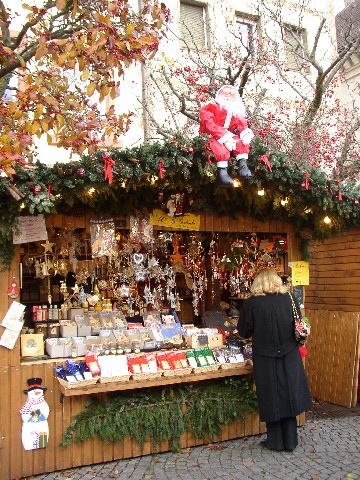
x: 39, y: 314
x: 55, y: 313
x: 45, y: 313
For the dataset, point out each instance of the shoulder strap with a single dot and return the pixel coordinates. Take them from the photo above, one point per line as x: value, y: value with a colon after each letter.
x: 295, y: 312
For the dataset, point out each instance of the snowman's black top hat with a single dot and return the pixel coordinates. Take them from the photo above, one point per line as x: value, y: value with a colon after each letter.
x: 34, y: 383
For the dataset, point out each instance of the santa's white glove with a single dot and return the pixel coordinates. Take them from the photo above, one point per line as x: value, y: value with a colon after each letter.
x: 230, y: 144
x: 246, y: 136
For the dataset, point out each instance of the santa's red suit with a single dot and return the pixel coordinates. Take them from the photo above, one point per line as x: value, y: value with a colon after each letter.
x: 213, y: 120
x: 225, y: 123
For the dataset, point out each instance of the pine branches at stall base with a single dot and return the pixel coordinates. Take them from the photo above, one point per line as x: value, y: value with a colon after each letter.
x: 157, y: 415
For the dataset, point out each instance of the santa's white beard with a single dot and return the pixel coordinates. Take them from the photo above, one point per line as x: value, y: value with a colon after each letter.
x: 235, y: 107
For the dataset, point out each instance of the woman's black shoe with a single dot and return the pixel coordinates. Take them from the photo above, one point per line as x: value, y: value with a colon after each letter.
x: 264, y: 444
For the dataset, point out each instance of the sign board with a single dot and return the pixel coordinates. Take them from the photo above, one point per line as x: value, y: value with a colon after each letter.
x: 188, y: 221
x: 31, y: 229
x: 298, y: 293
x: 300, y: 273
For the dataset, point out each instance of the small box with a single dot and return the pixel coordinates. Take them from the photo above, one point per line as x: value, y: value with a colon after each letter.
x: 172, y: 333
x: 94, y: 321
x: 68, y: 328
x: 106, y: 320
x: 75, y: 311
x: 152, y: 319
x: 118, y: 320
x: 197, y: 340
x: 80, y: 344
x: 32, y: 344
x: 83, y: 326
x: 58, y: 347
x: 215, y: 340
x: 93, y: 344
x: 108, y: 340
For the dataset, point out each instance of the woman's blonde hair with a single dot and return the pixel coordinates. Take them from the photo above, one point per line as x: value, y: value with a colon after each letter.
x: 267, y: 281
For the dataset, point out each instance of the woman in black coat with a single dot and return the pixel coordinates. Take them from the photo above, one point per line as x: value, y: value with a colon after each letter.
x: 281, y: 385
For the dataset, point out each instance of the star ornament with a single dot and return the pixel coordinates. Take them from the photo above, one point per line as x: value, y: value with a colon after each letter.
x: 48, y: 246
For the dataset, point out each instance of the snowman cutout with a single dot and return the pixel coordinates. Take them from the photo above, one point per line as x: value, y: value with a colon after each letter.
x: 34, y: 414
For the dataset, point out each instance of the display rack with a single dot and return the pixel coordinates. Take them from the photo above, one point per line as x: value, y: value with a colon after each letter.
x: 159, y: 382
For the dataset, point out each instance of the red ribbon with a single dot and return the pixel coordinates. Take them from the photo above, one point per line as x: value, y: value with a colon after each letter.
x: 265, y: 159
x: 108, y: 164
x: 208, y: 150
x: 339, y: 194
x: 49, y: 189
x: 161, y: 169
x: 307, y: 180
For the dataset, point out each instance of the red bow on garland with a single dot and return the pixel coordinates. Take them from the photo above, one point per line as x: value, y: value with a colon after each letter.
x: 208, y: 150
x: 108, y: 164
x: 339, y: 191
x: 265, y: 159
x: 306, y: 180
x: 161, y: 169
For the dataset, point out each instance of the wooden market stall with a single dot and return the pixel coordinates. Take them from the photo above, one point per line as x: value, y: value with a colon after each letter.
x: 65, y: 404
x: 333, y: 304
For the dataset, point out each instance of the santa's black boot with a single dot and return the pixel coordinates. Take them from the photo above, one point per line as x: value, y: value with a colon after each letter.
x: 223, y: 179
x: 243, y: 168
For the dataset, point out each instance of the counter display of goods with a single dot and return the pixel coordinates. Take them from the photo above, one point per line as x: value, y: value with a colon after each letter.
x: 144, y: 367
x: 109, y: 333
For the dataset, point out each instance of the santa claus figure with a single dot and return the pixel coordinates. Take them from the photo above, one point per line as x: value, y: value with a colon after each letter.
x: 229, y: 133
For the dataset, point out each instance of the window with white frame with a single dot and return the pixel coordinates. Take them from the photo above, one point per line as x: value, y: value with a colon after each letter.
x: 295, y: 47
x: 247, y: 33
x: 12, y: 86
x: 193, y: 26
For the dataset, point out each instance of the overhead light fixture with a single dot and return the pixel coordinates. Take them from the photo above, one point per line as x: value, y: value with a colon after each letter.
x: 327, y: 220
x: 284, y: 201
x: 261, y: 192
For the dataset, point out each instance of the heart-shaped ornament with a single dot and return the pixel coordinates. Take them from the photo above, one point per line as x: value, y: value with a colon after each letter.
x: 138, y: 258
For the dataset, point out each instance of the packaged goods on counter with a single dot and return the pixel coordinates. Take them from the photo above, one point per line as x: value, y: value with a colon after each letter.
x: 228, y: 355
x: 75, y: 375
x: 91, y: 360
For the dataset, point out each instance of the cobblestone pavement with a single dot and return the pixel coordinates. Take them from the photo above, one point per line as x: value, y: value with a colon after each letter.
x: 329, y: 449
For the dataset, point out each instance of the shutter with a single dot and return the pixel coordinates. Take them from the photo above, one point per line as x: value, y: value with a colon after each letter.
x: 291, y: 45
x: 192, y: 28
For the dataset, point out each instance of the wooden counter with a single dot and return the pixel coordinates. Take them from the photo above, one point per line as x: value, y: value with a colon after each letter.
x: 158, y: 382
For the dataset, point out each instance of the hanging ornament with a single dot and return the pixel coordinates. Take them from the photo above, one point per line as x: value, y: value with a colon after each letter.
x: 48, y: 246
x: 191, y: 150
x: 13, y: 290
x: 36, y: 189
x: 80, y: 171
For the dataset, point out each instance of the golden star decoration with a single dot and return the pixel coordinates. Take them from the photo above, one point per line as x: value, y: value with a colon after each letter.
x: 48, y: 246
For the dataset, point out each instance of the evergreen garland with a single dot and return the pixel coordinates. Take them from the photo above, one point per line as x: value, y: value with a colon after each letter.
x: 138, y: 179
x: 164, y: 414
